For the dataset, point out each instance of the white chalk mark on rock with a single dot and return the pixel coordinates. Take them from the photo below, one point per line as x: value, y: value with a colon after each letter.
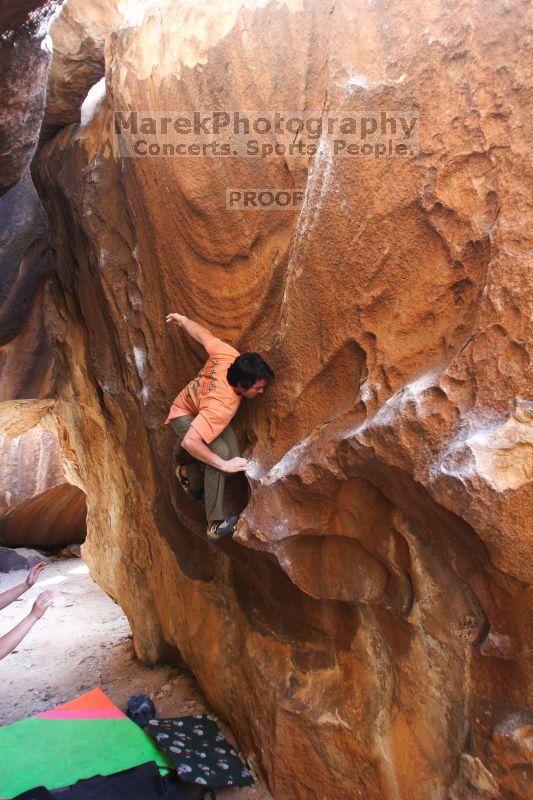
x: 93, y: 101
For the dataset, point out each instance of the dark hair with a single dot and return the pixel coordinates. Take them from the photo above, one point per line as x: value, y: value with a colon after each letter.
x: 247, y: 369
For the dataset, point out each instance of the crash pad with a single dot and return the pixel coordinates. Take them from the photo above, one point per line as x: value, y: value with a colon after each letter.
x: 138, y: 783
x: 199, y: 751
x: 87, y: 736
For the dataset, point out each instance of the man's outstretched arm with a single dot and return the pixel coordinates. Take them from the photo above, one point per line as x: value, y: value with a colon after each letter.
x: 194, y: 329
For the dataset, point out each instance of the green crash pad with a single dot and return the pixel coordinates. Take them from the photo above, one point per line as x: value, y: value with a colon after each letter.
x: 86, y: 737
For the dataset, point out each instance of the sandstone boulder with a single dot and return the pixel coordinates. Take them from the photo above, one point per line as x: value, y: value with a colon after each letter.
x: 25, y: 55
x: 38, y: 507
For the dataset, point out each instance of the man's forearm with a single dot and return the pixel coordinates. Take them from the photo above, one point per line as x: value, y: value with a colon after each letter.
x: 11, y: 594
x: 12, y: 638
x: 200, y: 451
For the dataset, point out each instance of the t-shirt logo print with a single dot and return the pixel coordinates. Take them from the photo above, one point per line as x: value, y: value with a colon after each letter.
x: 210, y: 383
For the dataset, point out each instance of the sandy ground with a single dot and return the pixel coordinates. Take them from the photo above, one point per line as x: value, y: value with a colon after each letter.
x: 84, y: 642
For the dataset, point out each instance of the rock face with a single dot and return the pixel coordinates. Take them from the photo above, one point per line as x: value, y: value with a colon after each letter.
x: 78, y: 59
x: 25, y: 354
x: 38, y: 505
x: 367, y: 632
x: 25, y: 56
x: 16, y: 13
x: 22, y: 558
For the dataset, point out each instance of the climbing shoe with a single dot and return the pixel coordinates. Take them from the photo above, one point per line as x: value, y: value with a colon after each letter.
x: 194, y: 494
x: 222, y: 527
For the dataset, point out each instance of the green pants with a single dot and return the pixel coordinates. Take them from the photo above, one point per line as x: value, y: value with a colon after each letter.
x: 226, y: 446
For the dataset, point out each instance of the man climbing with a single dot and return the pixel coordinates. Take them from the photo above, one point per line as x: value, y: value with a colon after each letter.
x: 201, y: 415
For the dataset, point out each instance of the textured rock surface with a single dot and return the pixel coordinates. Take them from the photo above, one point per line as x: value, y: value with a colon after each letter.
x: 38, y: 506
x: 78, y: 58
x: 21, y: 558
x: 368, y: 633
x: 16, y: 13
x: 25, y: 355
x: 25, y: 56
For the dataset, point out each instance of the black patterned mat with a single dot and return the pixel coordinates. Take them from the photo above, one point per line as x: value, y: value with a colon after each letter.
x: 198, y: 750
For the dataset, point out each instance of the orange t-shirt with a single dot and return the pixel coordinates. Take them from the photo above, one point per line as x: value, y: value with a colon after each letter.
x: 209, y: 397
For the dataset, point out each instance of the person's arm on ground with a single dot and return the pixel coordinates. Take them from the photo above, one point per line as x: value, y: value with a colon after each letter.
x: 194, y: 329
x: 12, y: 638
x: 195, y: 445
x: 8, y: 596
